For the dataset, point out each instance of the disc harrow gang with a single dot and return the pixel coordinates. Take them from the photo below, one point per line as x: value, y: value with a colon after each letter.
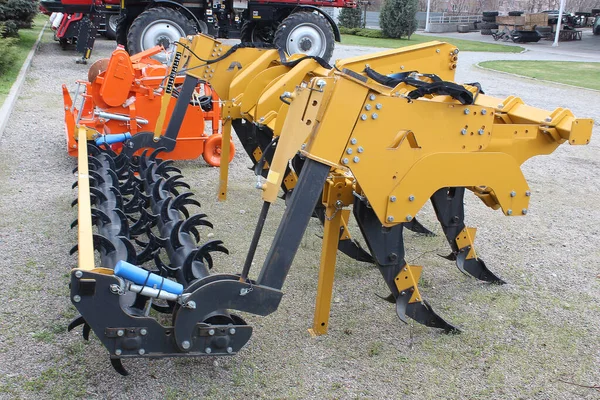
x: 142, y: 215
x: 354, y: 140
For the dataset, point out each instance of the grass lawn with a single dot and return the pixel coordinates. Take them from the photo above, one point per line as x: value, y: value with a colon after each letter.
x: 27, y: 38
x: 463, y: 45
x: 582, y: 74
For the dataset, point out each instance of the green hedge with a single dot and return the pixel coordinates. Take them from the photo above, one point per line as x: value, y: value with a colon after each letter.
x: 371, y: 33
x: 17, y: 12
x: 8, y: 53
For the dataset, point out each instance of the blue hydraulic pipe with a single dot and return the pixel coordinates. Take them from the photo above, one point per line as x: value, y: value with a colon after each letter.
x: 146, y: 278
x: 113, y: 138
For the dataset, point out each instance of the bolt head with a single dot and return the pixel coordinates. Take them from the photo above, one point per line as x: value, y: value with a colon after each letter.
x: 467, y: 111
x: 232, y: 331
x: 409, y: 217
x: 78, y: 274
x: 120, y: 332
x: 141, y: 352
x: 437, y: 50
x: 229, y: 350
x: 143, y: 332
x: 483, y: 112
x: 211, y: 332
x: 374, y: 116
x: 356, y: 159
x: 191, y: 304
x: 353, y: 141
x: 186, y: 345
x: 118, y: 352
x: 481, y: 131
x: 390, y: 219
x: 393, y: 199
x: 372, y: 97
x: 368, y: 107
x: 363, y: 117
x: 77, y: 298
x: 513, y: 193
x: 360, y: 149
x: 524, y: 211
x: 349, y: 151
x: 463, y: 132
x: 548, y: 119
x: 378, y: 106
x: 345, y: 161
x: 261, y: 119
x: 208, y: 350
x: 509, y: 212
x: 528, y: 193
x: 411, y: 198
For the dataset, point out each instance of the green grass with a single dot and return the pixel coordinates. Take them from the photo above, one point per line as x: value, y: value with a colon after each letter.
x: 582, y: 74
x: 27, y: 38
x: 463, y: 45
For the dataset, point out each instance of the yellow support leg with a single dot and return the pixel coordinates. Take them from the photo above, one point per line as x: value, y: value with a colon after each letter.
x: 84, y: 214
x: 224, y: 168
x: 331, y: 237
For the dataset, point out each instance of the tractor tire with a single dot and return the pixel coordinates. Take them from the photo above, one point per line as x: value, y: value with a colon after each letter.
x: 515, y: 13
x: 490, y: 14
x: 307, y: 33
x: 488, y: 25
x: 486, y: 32
x: 258, y: 32
x: 157, y: 26
x: 111, y: 26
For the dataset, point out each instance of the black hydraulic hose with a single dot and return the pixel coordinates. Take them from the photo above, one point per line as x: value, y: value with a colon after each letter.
x: 255, y: 238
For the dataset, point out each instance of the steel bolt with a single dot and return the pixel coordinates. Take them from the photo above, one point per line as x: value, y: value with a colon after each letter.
x: 191, y: 304
x: 524, y: 211
x: 467, y: 111
x: 363, y: 117
x: 360, y: 149
x: 548, y: 119
x: 509, y: 212
x: 261, y: 119
x: 483, y: 112
x: 501, y: 106
x: 390, y: 219
x: 349, y: 151
x: 411, y: 198
x: 141, y: 352
x: 78, y: 274
x: 232, y: 331
x: 229, y: 350
x: 321, y: 83
x: 372, y: 97
x: 186, y: 345
x: 481, y: 131
x: 344, y: 161
x: 402, y: 293
x: 208, y: 350
x: 393, y: 199
x: 513, y: 193
x: 409, y: 217
x: 118, y: 352
x: 356, y: 159
x: 211, y: 332
x: 120, y: 332
x: 77, y: 298
x: 463, y: 132
x: 402, y: 67
x: 528, y: 193
x: 143, y: 332
x: 437, y: 50
x: 353, y: 141
x: 378, y: 106
x: 303, y: 146
x: 455, y: 51
x: 368, y: 107
x: 374, y: 116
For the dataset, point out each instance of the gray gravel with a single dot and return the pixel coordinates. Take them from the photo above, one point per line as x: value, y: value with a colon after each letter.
x: 522, y: 340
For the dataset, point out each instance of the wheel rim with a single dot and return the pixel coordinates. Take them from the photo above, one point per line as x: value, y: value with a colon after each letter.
x: 112, y: 22
x: 263, y: 33
x: 161, y: 32
x: 307, y: 39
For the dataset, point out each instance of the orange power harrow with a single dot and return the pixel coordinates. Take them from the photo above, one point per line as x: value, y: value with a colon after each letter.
x: 124, y: 95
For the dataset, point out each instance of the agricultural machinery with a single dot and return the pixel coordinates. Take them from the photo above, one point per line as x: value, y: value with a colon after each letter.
x: 124, y: 95
x: 356, y: 138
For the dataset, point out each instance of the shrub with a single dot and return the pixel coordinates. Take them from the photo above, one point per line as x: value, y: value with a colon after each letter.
x: 371, y: 33
x: 9, y: 53
x: 350, y: 18
x: 398, y: 18
x: 8, y: 29
x: 21, y: 12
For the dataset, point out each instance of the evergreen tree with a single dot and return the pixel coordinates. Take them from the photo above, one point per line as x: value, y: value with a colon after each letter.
x: 398, y: 18
x: 350, y: 18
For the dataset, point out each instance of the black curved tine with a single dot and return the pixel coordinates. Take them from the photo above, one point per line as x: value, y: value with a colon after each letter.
x: 118, y: 366
x: 475, y: 267
x: 415, y: 226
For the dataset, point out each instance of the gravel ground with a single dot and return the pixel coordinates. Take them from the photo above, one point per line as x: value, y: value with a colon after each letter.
x: 531, y: 339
